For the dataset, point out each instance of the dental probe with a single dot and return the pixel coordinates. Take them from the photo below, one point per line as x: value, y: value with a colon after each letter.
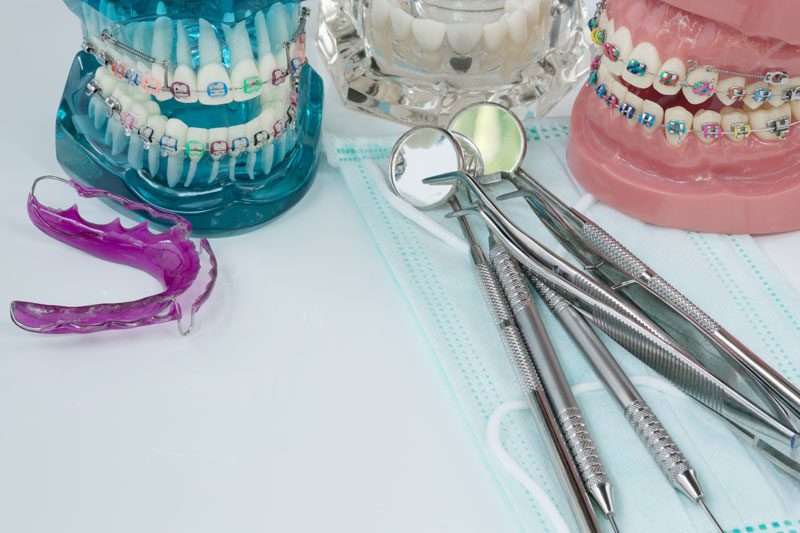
x: 529, y: 381
x: 556, y: 385
x: 664, y: 450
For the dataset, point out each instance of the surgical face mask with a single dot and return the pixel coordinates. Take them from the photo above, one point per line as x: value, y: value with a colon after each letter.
x: 729, y: 277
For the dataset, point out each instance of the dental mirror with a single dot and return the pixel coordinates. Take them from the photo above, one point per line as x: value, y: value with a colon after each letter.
x: 424, y: 152
x: 498, y: 135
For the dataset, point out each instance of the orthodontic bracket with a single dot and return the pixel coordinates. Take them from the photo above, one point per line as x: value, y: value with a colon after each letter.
x: 780, y: 127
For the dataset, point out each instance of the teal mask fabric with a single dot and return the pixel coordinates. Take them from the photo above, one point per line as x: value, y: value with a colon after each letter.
x: 727, y: 275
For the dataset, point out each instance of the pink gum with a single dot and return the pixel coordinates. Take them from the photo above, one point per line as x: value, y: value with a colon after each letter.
x: 725, y: 187
x: 680, y: 33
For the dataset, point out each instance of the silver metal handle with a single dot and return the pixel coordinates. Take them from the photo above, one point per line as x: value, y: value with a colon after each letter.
x: 580, y: 441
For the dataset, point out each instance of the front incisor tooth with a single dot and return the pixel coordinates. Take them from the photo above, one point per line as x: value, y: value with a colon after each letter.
x: 657, y: 111
x: 672, y: 66
x: 730, y: 118
x: 463, y: 38
x: 761, y: 119
x: 624, y: 43
x: 704, y: 123
x: 724, y: 87
x: 701, y: 86
x: 648, y: 56
x: 429, y: 33
x: 494, y: 35
x: 677, y: 125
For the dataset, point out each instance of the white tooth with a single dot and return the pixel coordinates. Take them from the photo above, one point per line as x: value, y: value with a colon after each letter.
x: 675, y: 66
x: 751, y: 90
x: 141, y: 112
x: 463, y: 38
x: 216, y: 135
x: 696, y: 76
x: 252, y: 129
x: 163, y: 37
x: 142, y: 41
x: 196, y: 140
x: 725, y: 85
x: 730, y: 117
x: 647, y: 54
x: 380, y: 13
x: 152, y: 108
x: 531, y: 8
x: 262, y: 35
x: 517, y: 26
x: 617, y: 89
x: 761, y: 118
x: 234, y: 133
x: 401, y: 23
x: 657, y: 111
x: 494, y: 35
x: 278, y: 22
x: 677, y: 114
x: 246, y: 80
x: 178, y: 131
x: 604, y: 77
x: 637, y: 102
x: 268, y: 118
x: 701, y: 119
x: 213, y: 81
x: 115, y: 133
x: 97, y: 107
x: 608, y: 24
x: 184, y: 71
x: 159, y: 125
x: 623, y: 41
x: 777, y: 100
x: 429, y: 33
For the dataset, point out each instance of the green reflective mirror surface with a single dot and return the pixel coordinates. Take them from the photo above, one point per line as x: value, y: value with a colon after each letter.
x: 497, y: 133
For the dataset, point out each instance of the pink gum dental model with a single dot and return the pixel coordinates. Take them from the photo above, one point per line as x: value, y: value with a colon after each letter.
x: 691, y: 117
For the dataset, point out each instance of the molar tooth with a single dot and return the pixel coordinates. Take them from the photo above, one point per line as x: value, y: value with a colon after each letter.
x: 517, y: 26
x: 494, y: 35
x: 184, y: 75
x: 196, y: 139
x: 238, y: 143
x: 175, y: 144
x: 647, y: 56
x: 731, y: 117
x: 213, y: 81
x: 163, y: 37
x: 678, y: 124
x: 724, y: 89
x: 463, y: 38
x: 673, y: 70
x: 757, y: 94
x: 760, y: 120
x: 245, y: 77
x: 380, y: 13
x: 140, y: 112
x: 429, y: 33
x: 624, y: 43
x: 656, y: 111
x: 157, y: 123
x: 702, y: 85
x: 278, y: 21
x: 401, y: 23
x: 707, y: 126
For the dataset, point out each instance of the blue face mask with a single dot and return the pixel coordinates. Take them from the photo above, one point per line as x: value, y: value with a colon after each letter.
x: 729, y: 277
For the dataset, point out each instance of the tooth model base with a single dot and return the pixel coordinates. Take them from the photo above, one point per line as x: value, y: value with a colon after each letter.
x: 225, y: 206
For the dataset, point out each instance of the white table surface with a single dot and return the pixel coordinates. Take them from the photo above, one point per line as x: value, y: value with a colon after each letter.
x: 307, y: 399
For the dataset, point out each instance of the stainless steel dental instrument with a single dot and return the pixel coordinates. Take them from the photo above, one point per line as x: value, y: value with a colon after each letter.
x: 557, y: 388
x: 626, y: 324
x: 713, y: 346
x: 652, y: 433
x: 441, y: 151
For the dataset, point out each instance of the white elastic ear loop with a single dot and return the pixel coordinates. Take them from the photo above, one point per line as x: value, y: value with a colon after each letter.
x: 516, y: 471
x: 415, y: 215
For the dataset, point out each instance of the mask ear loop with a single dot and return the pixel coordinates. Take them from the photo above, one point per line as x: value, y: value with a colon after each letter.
x: 58, y: 319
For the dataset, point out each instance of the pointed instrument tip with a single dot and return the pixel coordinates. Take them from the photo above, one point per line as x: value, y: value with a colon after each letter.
x: 613, y: 522
x: 710, y: 515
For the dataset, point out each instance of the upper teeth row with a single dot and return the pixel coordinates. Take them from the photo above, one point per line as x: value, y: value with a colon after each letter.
x: 148, y: 63
x: 641, y: 67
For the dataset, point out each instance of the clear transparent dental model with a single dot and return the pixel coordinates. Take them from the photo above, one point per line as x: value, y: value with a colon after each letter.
x: 205, y: 108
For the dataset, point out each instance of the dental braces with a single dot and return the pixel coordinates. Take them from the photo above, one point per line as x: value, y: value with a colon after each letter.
x: 182, y: 91
x: 700, y: 88
x: 711, y: 130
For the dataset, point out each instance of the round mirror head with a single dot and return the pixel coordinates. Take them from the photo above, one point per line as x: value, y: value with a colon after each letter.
x: 498, y: 134
x: 421, y: 153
